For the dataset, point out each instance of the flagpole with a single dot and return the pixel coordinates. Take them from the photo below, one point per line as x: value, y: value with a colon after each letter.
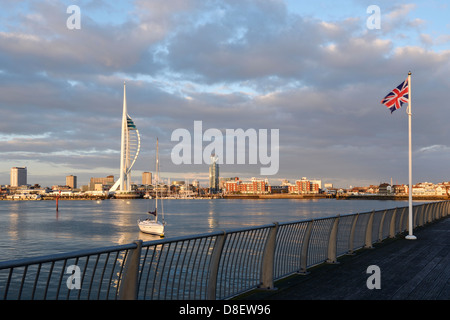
x: 410, y: 236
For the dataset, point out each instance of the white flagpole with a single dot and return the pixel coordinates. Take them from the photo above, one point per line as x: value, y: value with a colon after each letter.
x: 410, y: 236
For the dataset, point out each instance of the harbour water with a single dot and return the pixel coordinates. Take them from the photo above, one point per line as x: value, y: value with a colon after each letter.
x: 35, y: 228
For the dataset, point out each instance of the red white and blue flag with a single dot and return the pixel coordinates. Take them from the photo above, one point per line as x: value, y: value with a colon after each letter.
x: 397, y: 97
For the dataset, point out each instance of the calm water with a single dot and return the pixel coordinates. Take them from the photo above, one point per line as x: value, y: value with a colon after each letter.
x: 34, y: 228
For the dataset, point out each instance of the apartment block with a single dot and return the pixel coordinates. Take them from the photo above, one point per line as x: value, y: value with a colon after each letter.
x: 18, y: 176
x: 147, y: 178
x: 71, y: 181
x: 254, y: 186
x: 100, y: 184
x: 304, y: 186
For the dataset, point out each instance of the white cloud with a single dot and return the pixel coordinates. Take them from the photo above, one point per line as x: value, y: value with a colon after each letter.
x: 435, y: 148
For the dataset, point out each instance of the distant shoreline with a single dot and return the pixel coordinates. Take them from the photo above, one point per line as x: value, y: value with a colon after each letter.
x: 277, y: 196
x: 261, y: 197
x: 340, y: 197
x: 393, y: 197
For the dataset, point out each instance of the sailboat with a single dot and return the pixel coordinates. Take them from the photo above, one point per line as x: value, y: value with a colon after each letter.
x: 149, y: 225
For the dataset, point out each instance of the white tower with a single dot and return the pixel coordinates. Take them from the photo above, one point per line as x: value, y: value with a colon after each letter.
x: 129, y: 149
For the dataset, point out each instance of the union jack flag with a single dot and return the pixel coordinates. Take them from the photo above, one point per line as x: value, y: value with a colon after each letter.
x: 397, y: 97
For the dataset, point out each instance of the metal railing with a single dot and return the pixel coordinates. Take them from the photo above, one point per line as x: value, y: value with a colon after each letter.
x: 217, y: 265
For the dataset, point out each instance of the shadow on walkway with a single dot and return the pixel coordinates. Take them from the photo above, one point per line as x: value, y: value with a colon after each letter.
x: 409, y: 270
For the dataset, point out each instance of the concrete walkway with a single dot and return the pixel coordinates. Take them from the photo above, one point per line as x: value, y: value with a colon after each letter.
x: 409, y: 270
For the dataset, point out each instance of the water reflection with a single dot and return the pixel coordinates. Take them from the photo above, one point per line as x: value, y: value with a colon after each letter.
x: 32, y: 228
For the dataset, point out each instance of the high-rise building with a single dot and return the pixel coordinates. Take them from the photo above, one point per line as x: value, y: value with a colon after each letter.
x: 214, y: 175
x: 71, y: 181
x: 18, y: 176
x: 146, y: 178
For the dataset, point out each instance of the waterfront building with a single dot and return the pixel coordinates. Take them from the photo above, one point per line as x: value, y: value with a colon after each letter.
x: 99, y: 184
x: 400, y: 188
x: 129, y: 150
x: 443, y: 189
x: 384, y: 188
x: 18, y: 176
x: 316, y: 184
x: 279, y: 189
x: 426, y: 189
x: 231, y: 181
x: 71, y: 181
x: 305, y: 186
x: 254, y: 186
x: 231, y: 185
x: 214, y: 174
x: 147, y: 178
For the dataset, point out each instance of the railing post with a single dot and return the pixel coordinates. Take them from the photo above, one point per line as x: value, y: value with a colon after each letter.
x: 415, y: 216
x: 435, y: 210
x: 380, y: 227
x: 400, y: 221
x: 129, y: 284
x: 268, y: 259
x: 448, y: 208
x: 439, y: 215
x: 430, y: 212
x: 440, y: 210
x: 305, y: 246
x: 416, y: 219
x: 332, y: 242
x: 420, y: 216
x: 368, y: 241
x: 424, y: 214
x: 443, y: 209
x: 214, y: 266
x: 392, y: 224
x: 352, y: 235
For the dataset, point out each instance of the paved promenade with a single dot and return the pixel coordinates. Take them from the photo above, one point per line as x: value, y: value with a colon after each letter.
x: 410, y: 270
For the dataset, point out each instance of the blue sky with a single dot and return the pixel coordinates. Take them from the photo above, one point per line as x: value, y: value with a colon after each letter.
x: 313, y: 70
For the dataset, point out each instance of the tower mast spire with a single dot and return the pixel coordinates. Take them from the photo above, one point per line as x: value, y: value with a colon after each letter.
x: 129, y: 149
x: 123, y: 147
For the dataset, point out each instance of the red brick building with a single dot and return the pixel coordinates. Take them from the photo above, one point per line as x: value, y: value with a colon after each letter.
x: 254, y: 186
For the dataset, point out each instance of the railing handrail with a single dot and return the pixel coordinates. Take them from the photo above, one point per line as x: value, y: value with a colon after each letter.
x: 223, y: 263
x: 64, y: 256
x: 204, y: 235
x: 94, y: 251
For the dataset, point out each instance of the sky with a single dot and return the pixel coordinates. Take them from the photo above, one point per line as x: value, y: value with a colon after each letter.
x: 316, y: 71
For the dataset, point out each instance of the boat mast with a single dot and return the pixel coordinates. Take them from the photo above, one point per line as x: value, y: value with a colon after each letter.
x: 157, y: 181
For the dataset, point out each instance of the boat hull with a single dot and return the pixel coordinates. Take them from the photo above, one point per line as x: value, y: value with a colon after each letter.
x: 151, y: 227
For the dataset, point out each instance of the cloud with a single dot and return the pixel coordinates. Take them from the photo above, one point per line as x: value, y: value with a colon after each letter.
x: 246, y: 43
x: 434, y: 148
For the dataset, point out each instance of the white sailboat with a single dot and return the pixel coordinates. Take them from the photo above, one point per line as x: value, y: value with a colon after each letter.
x: 149, y: 225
